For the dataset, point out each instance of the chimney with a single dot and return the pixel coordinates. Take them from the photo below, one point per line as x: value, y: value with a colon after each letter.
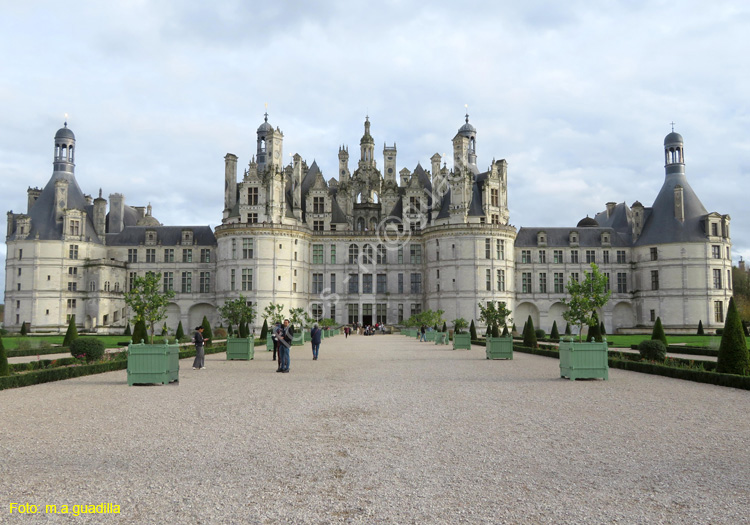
x: 116, y: 212
x: 230, y: 181
x: 611, y: 208
x: 33, y: 196
x: 100, y: 216
x: 679, y: 203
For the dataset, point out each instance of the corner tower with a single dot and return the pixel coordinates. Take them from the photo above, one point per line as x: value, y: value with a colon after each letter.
x: 269, y: 147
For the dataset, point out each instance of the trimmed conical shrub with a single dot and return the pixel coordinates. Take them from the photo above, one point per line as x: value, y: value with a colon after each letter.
x: 567, y: 329
x: 514, y: 329
x: 242, y: 329
x: 4, y: 369
x: 529, y: 335
x: 554, y: 334
x: 495, y: 331
x: 180, y: 333
x: 264, y: 330
x: 473, y: 331
x: 206, y: 328
x: 658, y: 332
x: 24, y: 329
x: 602, y: 330
x: 733, y: 354
x: 505, y: 331
x: 72, y: 333
x: 445, y: 327
x: 700, y: 328
x: 127, y: 330
x: 164, y: 330
x: 140, y: 332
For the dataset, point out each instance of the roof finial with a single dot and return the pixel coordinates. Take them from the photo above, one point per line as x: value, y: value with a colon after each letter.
x: 672, y: 126
x: 66, y: 121
x: 266, y: 113
x: 467, y: 112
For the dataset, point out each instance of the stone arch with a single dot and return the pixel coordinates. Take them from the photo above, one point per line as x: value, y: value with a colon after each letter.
x: 196, y: 313
x: 174, y: 315
x: 522, y: 313
x: 622, y: 316
x: 88, y: 323
x: 556, y: 315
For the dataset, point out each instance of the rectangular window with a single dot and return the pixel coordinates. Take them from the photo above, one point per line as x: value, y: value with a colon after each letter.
x: 714, y: 229
x: 415, y: 253
x: 353, y: 313
x: 150, y: 255
x: 367, y: 283
x: 401, y: 283
x: 494, y: 197
x: 652, y: 315
x: 132, y: 255
x: 20, y: 256
x: 232, y: 279
x: 575, y: 277
x: 367, y: 313
x: 499, y: 249
x: 187, y: 282
x: 488, y: 248
x: 542, y: 283
x: 71, y: 271
x: 205, y: 255
x: 168, y: 279
x: 416, y: 283
x: 557, y: 256
x: 622, y: 282
x: 621, y: 256
x: 654, y: 254
x: 72, y: 286
x: 252, y: 196
x: 317, y: 283
x: 333, y: 283
x: 381, y: 254
x: 247, y: 279
x: 247, y: 248
x: 319, y: 205
x: 590, y: 256
x: 400, y: 313
x: 717, y: 279
x: 500, y: 280
x: 718, y: 311
x: 414, y: 203
x: 234, y: 248
x: 169, y: 255
x: 187, y: 255
x: 353, y: 283
x: 606, y: 284
x: 488, y: 280
x: 716, y: 251
x: 204, y: 282
x: 75, y: 227
x: 400, y: 255
x: 526, y: 282
x: 559, y: 283
x: 333, y: 254
x: 131, y: 280
x: 71, y: 303
x: 543, y: 256
x: 654, y: 279
x: 319, y: 225
x: 333, y: 229
x: 382, y: 283
x: 574, y: 256
x: 380, y: 313
x: 605, y: 256
x: 416, y: 308
x: 353, y: 253
x: 729, y: 279
x: 317, y: 257
x: 317, y: 311
x: 72, y: 252
x: 525, y: 256
x: 332, y: 314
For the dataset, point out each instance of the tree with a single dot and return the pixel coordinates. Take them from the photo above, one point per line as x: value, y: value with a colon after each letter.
x: 4, y: 369
x: 585, y: 298
x: 733, y: 354
x: 72, y: 333
x: 275, y: 312
x: 297, y: 317
x: 554, y: 334
x: 529, y: 334
x: 494, y: 315
x: 127, y: 329
x: 180, y: 333
x: 207, y: 333
x: 658, y: 332
x: 459, y: 325
x: 263, y: 330
x: 237, y: 311
x: 140, y: 332
x: 473, y: 331
x: 148, y: 301
x: 700, y: 328
x: 505, y: 331
x: 567, y: 329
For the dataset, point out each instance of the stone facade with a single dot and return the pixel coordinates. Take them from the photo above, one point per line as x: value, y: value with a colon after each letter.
x: 364, y: 247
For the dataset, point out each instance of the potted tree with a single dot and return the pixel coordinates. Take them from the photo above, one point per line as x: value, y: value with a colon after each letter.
x: 297, y: 319
x: 579, y: 360
x: 459, y: 325
x: 238, y: 311
x: 275, y: 313
x: 494, y: 315
x: 151, y: 363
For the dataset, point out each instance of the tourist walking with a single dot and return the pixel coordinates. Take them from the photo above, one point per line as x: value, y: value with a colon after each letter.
x: 199, y: 361
x: 285, y: 335
x: 423, y: 337
x: 315, y: 340
x: 275, y: 339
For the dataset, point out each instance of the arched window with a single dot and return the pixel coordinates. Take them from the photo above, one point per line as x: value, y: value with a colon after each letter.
x: 353, y: 253
x: 373, y: 223
x: 92, y: 286
x: 361, y: 224
x: 367, y: 254
x: 262, y: 146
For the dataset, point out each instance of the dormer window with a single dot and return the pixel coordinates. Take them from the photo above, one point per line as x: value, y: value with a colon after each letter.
x: 187, y: 237
x: 541, y: 238
x: 573, y: 238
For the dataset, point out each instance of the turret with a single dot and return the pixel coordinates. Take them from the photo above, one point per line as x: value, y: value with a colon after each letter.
x: 65, y: 142
x: 389, y: 162
x: 230, y: 181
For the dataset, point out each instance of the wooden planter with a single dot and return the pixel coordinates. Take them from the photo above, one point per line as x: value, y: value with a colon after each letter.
x: 584, y: 360
x: 238, y: 348
x: 462, y: 341
x: 153, y: 363
x: 298, y: 339
x: 269, y: 342
x: 499, y: 348
x: 441, y: 338
x: 430, y: 336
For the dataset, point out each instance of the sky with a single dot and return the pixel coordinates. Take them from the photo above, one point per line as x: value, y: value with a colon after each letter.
x: 577, y: 96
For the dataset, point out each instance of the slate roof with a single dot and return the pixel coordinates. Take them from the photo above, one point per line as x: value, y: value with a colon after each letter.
x: 165, y: 235
x: 588, y: 237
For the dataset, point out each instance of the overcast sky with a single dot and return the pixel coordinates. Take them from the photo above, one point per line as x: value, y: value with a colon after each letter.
x: 577, y: 96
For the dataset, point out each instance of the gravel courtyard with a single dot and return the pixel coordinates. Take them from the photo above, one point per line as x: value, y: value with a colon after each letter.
x: 380, y: 429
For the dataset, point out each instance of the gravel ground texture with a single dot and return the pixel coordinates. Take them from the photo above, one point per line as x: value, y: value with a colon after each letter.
x: 379, y: 429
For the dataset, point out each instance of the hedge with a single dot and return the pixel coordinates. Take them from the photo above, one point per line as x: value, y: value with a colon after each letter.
x: 37, y: 351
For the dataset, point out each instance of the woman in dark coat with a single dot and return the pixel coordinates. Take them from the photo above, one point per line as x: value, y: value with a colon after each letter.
x: 315, y: 340
x: 199, y: 363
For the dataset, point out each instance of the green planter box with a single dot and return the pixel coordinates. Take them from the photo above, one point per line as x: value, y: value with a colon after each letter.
x: 430, y: 336
x: 499, y: 348
x: 584, y: 360
x: 305, y: 336
x: 269, y: 342
x: 462, y: 341
x: 298, y: 339
x: 240, y: 348
x: 441, y: 338
x: 153, y: 363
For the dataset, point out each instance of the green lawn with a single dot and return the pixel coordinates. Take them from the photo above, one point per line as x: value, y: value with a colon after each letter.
x: 707, y: 341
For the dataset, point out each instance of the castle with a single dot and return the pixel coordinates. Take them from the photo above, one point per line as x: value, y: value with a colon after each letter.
x: 364, y: 247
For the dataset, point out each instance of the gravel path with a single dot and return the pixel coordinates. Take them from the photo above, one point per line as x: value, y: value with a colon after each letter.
x: 379, y: 430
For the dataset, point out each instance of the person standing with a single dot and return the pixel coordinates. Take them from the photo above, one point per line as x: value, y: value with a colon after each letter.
x: 423, y: 337
x: 286, y: 333
x: 275, y: 339
x: 199, y: 362
x: 315, y: 340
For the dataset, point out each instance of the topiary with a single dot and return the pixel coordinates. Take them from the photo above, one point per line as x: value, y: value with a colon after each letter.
x: 658, y: 332
x: 140, y: 333
x: 529, y: 335
x: 445, y: 327
x: 513, y: 329
x: 733, y: 355
x: 164, y: 330
x: 263, y: 330
x: 220, y: 333
x: 653, y: 350
x: 24, y: 329
x: 206, y: 328
x: 505, y: 331
x: 127, y: 330
x: 72, y: 333
x: 567, y: 329
x: 602, y: 330
x: 539, y: 332
x: 554, y: 334
x: 473, y: 331
x: 700, y: 328
x: 4, y: 369
x: 719, y: 331
x: 180, y: 333
x: 242, y: 330
x: 495, y: 332
x: 89, y: 347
